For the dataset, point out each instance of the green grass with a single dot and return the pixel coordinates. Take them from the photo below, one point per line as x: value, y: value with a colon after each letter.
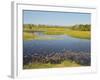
x: 79, y: 34
x: 66, y: 63
x: 72, y: 33
x: 28, y: 36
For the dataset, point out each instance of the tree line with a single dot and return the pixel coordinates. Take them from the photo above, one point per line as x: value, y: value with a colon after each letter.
x: 80, y: 27
x: 29, y: 26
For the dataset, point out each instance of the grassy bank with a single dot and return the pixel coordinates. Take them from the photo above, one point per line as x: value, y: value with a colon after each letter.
x: 28, y: 36
x: 72, y: 33
x: 79, y: 34
x: 49, y: 65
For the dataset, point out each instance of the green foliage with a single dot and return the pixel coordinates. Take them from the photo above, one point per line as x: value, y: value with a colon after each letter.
x: 81, y: 27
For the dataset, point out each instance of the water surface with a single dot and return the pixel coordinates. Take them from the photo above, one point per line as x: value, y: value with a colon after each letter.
x: 47, y: 44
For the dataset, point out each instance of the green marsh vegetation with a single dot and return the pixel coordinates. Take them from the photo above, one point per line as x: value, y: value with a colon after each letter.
x: 77, y: 31
x: 66, y: 63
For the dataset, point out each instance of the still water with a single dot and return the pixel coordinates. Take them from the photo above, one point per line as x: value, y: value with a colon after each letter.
x: 55, y: 44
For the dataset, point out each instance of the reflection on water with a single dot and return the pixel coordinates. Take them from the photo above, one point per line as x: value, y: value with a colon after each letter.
x: 57, y: 44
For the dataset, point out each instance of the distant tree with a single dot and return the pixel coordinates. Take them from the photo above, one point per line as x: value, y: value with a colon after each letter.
x: 81, y: 27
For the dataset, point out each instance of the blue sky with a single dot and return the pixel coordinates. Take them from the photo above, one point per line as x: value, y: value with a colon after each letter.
x: 55, y: 18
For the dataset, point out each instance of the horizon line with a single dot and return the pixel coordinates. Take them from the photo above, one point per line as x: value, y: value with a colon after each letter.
x: 56, y: 25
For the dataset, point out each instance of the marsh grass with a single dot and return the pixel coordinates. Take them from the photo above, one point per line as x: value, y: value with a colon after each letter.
x: 57, y: 31
x: 66, y: 63
x: 28, y: 36
x: 79, y: 34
